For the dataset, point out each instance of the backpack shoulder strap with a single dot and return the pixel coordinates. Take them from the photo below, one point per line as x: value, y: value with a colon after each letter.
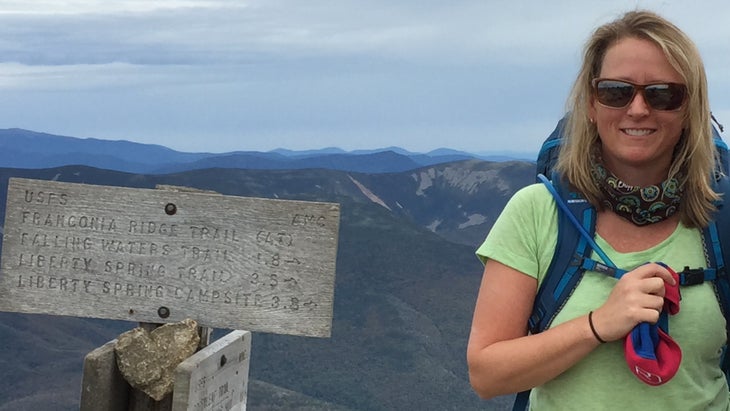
x: 571, y: 258
x: 716, y: 237
x: 565, y: 270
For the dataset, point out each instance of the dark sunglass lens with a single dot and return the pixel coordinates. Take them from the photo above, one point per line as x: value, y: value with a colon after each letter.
x: 664, y: 96
x: 614, y: 93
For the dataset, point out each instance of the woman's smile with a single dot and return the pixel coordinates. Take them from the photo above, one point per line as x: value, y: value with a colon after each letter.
x: 638, y: 132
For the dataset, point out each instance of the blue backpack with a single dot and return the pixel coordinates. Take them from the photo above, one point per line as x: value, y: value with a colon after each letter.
x: 576, y: 229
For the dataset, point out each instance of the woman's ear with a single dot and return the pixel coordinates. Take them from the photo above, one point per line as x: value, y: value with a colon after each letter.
x: 592, y: 111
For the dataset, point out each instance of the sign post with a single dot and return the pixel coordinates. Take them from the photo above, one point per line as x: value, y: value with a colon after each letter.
x: 161, y: 256
x: 216, y: 377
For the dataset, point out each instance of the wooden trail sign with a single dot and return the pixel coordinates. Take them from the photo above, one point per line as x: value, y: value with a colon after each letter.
x: 216, y: 377
x: 158, y: 256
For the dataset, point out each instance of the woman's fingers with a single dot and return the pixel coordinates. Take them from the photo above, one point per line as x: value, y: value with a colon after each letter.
x: 637, y: 297
x: 655, y: 270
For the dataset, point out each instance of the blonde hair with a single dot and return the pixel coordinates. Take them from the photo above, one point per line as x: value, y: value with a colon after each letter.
x: 695, y: 155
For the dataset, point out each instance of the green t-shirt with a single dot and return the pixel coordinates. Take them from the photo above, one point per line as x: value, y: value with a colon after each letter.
x: 524, y: 238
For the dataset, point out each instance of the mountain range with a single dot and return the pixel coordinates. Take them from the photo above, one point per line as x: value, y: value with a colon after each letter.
x: 406, y: 276
x: 28, y: 149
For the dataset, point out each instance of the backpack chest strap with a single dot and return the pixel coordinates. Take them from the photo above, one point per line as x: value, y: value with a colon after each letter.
x: 694, y: 276
x: 687, y: 277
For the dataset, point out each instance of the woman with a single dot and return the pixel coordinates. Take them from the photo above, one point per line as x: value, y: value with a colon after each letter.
x: 618, y: 138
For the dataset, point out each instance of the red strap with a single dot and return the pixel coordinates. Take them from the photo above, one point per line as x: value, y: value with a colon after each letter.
x: 671, y: 294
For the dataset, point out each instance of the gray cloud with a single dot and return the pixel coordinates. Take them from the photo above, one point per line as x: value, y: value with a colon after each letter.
x: 260, y: 74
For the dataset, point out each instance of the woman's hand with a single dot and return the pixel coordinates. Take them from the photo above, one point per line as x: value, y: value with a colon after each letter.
x: 637, y: 297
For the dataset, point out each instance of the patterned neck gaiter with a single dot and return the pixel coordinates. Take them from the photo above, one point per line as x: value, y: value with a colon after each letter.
x: 639, y: 205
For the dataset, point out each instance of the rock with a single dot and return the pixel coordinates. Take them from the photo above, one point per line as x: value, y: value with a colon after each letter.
x: 147, y: 360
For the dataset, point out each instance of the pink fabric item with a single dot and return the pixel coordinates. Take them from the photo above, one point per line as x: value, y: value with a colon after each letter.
x: 651, y: 354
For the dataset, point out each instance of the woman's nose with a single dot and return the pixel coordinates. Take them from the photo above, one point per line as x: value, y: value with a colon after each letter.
x: 638, y: 105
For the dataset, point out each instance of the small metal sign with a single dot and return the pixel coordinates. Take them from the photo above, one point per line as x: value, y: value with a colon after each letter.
x: 216, y: 377
x: 157, y: 256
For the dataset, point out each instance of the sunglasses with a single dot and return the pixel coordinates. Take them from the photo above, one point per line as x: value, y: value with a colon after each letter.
x: 619, y: 93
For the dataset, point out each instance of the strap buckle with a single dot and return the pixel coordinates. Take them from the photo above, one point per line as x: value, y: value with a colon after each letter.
x: 692, y: 276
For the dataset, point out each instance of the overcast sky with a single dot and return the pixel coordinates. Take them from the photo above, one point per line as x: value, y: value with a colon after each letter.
x: 227, y: 75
